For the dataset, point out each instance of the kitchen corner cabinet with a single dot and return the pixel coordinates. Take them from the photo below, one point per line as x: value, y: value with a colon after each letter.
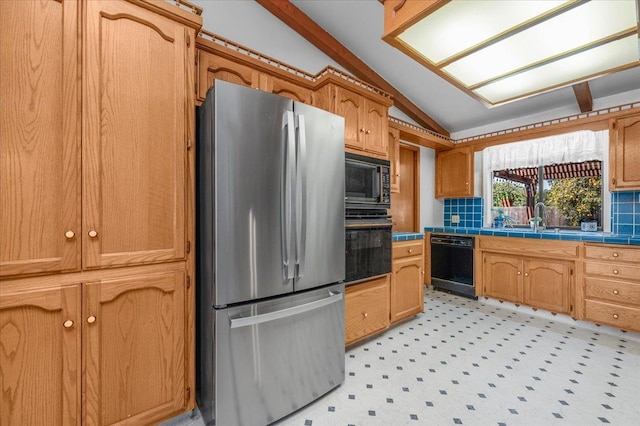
x: 454, y: 173
x: 394, y: 158
x: 407, y: 288
x: 624, y: 153
x: 366, y: 308
x: 97, y: 202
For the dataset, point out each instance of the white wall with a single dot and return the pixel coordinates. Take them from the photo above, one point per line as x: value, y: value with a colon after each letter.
x: 251, y: 25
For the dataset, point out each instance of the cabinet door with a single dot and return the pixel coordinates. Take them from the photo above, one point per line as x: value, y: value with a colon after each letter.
x: 375, y: 125
x: 454, y: 173
x: 547, y: 284
x: 134, y: 137
x: 406, y: 288
x: 212, y: 67
x: 625, y: 153
x: 502, y: 277
x: 39, y: 137
x: 394, y: 157
x: 348, y: 105
x: 285, y: 88
x: 366, y: 308
x: 134, y: 349
x: 40, y: 356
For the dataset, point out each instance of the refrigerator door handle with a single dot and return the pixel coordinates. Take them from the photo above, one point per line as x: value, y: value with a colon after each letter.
x: 301, y: 196
x: 286, y: 197
x: 334, y: 297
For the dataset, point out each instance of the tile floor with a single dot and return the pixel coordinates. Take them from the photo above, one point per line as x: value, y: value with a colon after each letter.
x: 482, y: 363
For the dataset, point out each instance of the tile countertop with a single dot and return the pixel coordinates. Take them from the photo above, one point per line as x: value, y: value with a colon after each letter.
x: 406, y: 236
x: 593, y: 237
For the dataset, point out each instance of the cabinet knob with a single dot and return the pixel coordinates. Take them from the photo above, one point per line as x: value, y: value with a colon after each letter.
x: 615, y: 254
x: 615, y: 316
x: 615, y: 292
x: 93, y: 233
x: 364, y: 315
x: 368, y: 131
x: 362, y: 130
x: 409, y: 251
x: 526, y: 274
x: 69, y: 234
x: 519, y: 273
x: 615, y: 271
x: 91, y: 319
x: 68, y: 324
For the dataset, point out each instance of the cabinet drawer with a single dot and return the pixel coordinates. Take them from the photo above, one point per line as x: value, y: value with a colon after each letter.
x: 407, y: 248
x: 366, y: 308
x: 615, y: 253
x: 613, y: 270
x: 612, y: 314
x: 612, y: 291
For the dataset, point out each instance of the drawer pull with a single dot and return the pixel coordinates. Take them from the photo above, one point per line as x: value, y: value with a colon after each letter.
x: 615, y: 292
x: 615, y: 271
x: 364, y: 315
x: 409, y: 251
x: 68, y: 324
x: 615, y: 316
x: 615, y: 254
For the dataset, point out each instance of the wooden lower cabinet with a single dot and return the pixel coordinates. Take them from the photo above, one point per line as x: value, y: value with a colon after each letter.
x: 407, y: 289
x: 366, y: 308
x: 120, y: 339
x: 540, y: 283
x: 40, y: 361
x: 134, y: 348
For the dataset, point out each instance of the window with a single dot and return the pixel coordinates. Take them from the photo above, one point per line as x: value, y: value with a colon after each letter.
x: 563, y: 171
x: 571, y: 192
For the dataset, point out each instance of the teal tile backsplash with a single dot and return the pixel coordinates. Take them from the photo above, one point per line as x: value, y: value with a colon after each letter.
x: 625, y: 212
x: 469, y: 210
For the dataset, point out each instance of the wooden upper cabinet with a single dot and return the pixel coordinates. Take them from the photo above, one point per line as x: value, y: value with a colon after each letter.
x: 454, y: 172
x: 376, y: 123
x: 394, y: 158
x: 39, y: 137
x: 40, y: 361
x: 135, y: 135
x: 624, y: 153
x: 212, y: 67
x: 349, y: 105
x: 134, y: 349
x: 282, y: 87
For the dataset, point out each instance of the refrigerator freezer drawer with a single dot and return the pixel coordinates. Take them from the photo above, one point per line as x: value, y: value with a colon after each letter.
x: 274, y: 357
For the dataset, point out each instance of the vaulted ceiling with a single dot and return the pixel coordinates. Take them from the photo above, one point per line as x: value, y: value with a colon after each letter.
x: 349, y: 32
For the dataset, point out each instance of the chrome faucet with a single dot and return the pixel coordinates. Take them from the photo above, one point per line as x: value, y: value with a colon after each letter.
x: 539, y: 226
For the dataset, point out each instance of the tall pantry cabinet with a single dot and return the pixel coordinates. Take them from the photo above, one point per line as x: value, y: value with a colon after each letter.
x: 96, y: 211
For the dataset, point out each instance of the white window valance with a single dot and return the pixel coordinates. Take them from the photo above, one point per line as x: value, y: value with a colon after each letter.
x: 566, y: 148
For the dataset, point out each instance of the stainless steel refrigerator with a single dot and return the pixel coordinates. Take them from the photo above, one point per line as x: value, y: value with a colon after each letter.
x: 271, y: 265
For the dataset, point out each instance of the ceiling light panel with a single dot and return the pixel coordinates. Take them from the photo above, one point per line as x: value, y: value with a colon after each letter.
x: 577, y: 27
x: 436, y: 38
x: 590, y: 63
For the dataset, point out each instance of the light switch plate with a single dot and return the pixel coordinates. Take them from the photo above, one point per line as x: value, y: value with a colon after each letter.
x: 455, y: 218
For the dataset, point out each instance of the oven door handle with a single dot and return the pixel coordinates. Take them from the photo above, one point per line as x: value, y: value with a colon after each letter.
x: 367, y: 225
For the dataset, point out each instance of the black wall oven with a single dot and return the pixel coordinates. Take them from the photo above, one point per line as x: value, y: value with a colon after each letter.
x: 366, y: 183
x: 368, y: 244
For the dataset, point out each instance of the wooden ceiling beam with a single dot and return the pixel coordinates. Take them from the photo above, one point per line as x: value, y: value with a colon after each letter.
x: 316, y: 35
x: 583, y: 96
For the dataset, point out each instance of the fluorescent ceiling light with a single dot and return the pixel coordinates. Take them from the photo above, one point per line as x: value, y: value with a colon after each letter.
x: 502, y: 50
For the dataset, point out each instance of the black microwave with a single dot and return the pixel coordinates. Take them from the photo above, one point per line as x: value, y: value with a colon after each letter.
x: 366, y: 182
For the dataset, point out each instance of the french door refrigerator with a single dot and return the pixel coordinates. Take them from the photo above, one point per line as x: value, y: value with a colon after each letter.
x: 271, y: 265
